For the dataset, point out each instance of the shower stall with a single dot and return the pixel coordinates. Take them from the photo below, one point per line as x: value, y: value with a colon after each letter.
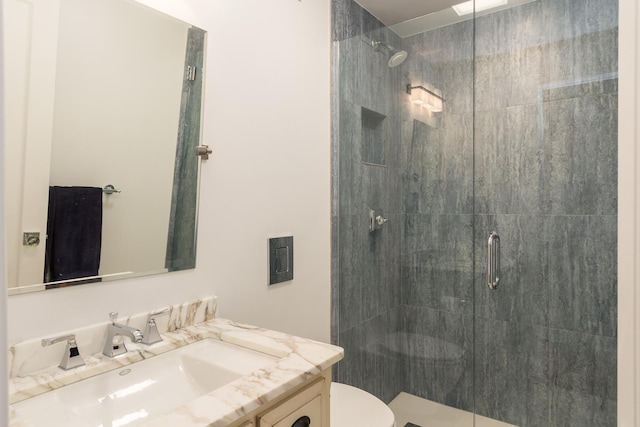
x: 475, y: 212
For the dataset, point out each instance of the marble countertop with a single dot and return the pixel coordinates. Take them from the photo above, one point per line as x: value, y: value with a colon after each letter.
x: 298, y: 360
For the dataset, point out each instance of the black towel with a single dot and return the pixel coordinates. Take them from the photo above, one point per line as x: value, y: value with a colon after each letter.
x: 74, y: 233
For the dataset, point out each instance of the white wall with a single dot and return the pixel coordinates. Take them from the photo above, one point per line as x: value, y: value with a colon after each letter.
x: 629, y: 217
x: 267, y: 118
x: 4, y: 401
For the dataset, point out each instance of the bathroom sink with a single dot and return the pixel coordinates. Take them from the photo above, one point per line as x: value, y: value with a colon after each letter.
x: 134, y: 394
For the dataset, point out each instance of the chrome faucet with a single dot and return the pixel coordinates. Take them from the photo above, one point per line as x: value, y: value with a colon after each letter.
x: 116, y: 329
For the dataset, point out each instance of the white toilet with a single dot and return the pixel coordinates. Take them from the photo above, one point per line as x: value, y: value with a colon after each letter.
x: 353, y: 407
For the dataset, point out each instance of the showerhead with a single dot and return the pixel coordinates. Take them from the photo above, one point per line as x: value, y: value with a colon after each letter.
x: 396, y: 57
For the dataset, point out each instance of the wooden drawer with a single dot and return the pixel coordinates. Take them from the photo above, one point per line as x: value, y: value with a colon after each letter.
x: 310, y: 402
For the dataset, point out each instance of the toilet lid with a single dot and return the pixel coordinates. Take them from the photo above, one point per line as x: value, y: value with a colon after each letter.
x: 353, y: 407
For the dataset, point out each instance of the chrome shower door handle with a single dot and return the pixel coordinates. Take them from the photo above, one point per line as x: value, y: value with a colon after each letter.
x: 493, y: 261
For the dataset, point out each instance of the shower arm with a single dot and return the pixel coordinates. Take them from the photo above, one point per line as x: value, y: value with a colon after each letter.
x: 409, y: 88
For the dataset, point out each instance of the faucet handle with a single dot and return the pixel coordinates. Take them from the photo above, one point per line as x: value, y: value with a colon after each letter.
x: 46, y: 342
x: 71, y: 358
x: 151, y: 334
x: 158, y: 313
x: 113, y: 316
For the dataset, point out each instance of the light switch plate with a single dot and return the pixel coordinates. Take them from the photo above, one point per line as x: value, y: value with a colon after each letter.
x: 280, y: 259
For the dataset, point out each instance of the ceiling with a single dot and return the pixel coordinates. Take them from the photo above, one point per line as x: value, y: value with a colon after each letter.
x: 410, y: 17
x: 391, y: 12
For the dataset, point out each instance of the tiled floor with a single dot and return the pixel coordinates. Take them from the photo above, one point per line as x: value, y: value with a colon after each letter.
x: 425, y: 413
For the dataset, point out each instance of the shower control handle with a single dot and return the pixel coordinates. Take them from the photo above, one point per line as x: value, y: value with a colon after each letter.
x: 493, y: 261
x: 376, y: 220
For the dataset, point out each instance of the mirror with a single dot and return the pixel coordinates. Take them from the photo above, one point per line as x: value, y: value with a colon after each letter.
x: 103, y: 102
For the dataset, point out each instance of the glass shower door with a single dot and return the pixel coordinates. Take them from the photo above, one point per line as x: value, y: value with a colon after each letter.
x: 403, y: 297
x: 545, y: 144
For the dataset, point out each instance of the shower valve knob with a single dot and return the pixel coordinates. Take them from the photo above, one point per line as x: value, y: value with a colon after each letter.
x: 380, y: 220
x: 376, y: 220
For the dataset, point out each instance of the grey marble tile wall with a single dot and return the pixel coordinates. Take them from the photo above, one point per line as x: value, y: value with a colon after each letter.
x: 349, y: 19
x: 373, y: 356
x: 437, y: 361
x: 443, y: 58
x: 367, y: 163
x: 556, y: 276
x: 437, y: 238
x: 583, y: 274
x: 438, y: 168
x: 581, y: 136
x: 523, y: 293
x: 438, y: 262
x: 582, y: 372
x: 546, y: 162
x: 511, y: 378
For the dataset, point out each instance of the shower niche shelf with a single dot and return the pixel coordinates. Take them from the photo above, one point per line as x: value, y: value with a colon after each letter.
x: 374, y: 131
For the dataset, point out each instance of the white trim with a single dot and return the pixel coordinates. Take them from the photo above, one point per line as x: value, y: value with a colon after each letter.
x: 4, y: 392
x: 628, y: 217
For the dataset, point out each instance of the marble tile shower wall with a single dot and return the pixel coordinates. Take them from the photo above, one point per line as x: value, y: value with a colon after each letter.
x: 437, y: 249
x: 546, y: 162
x: 541, y: 81
x: 367, y: 286
x: 545, y: 133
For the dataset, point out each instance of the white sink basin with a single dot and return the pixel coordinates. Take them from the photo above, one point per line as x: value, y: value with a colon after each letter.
x: 136, y: 393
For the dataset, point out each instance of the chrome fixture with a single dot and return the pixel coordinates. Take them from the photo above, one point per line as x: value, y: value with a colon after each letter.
x: 71, y: 357
x: 204, y: 151
x: 151, y: 334
x: 396, y: 57
x: 117, y: 330
x: 426, y: 97
x: 110, y: 189
x: 31, y: 238
x: 191, y: 72
x: 376, y: 220
x: 493, y: 261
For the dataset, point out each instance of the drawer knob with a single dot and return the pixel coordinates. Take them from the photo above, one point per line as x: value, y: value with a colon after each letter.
x: 303, y: 421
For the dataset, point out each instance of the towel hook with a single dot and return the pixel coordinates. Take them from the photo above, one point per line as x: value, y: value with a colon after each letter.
x: 110, y: 189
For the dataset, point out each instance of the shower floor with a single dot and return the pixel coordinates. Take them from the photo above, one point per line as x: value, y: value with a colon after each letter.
x: 410, y: 409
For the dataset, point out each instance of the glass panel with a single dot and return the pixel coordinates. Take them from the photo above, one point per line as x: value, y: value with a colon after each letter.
x: 368, y: 161
x: 402, y: 305
x: 545, y: 135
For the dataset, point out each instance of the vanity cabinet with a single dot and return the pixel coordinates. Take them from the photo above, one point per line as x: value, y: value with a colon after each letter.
x: 310, y: 399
